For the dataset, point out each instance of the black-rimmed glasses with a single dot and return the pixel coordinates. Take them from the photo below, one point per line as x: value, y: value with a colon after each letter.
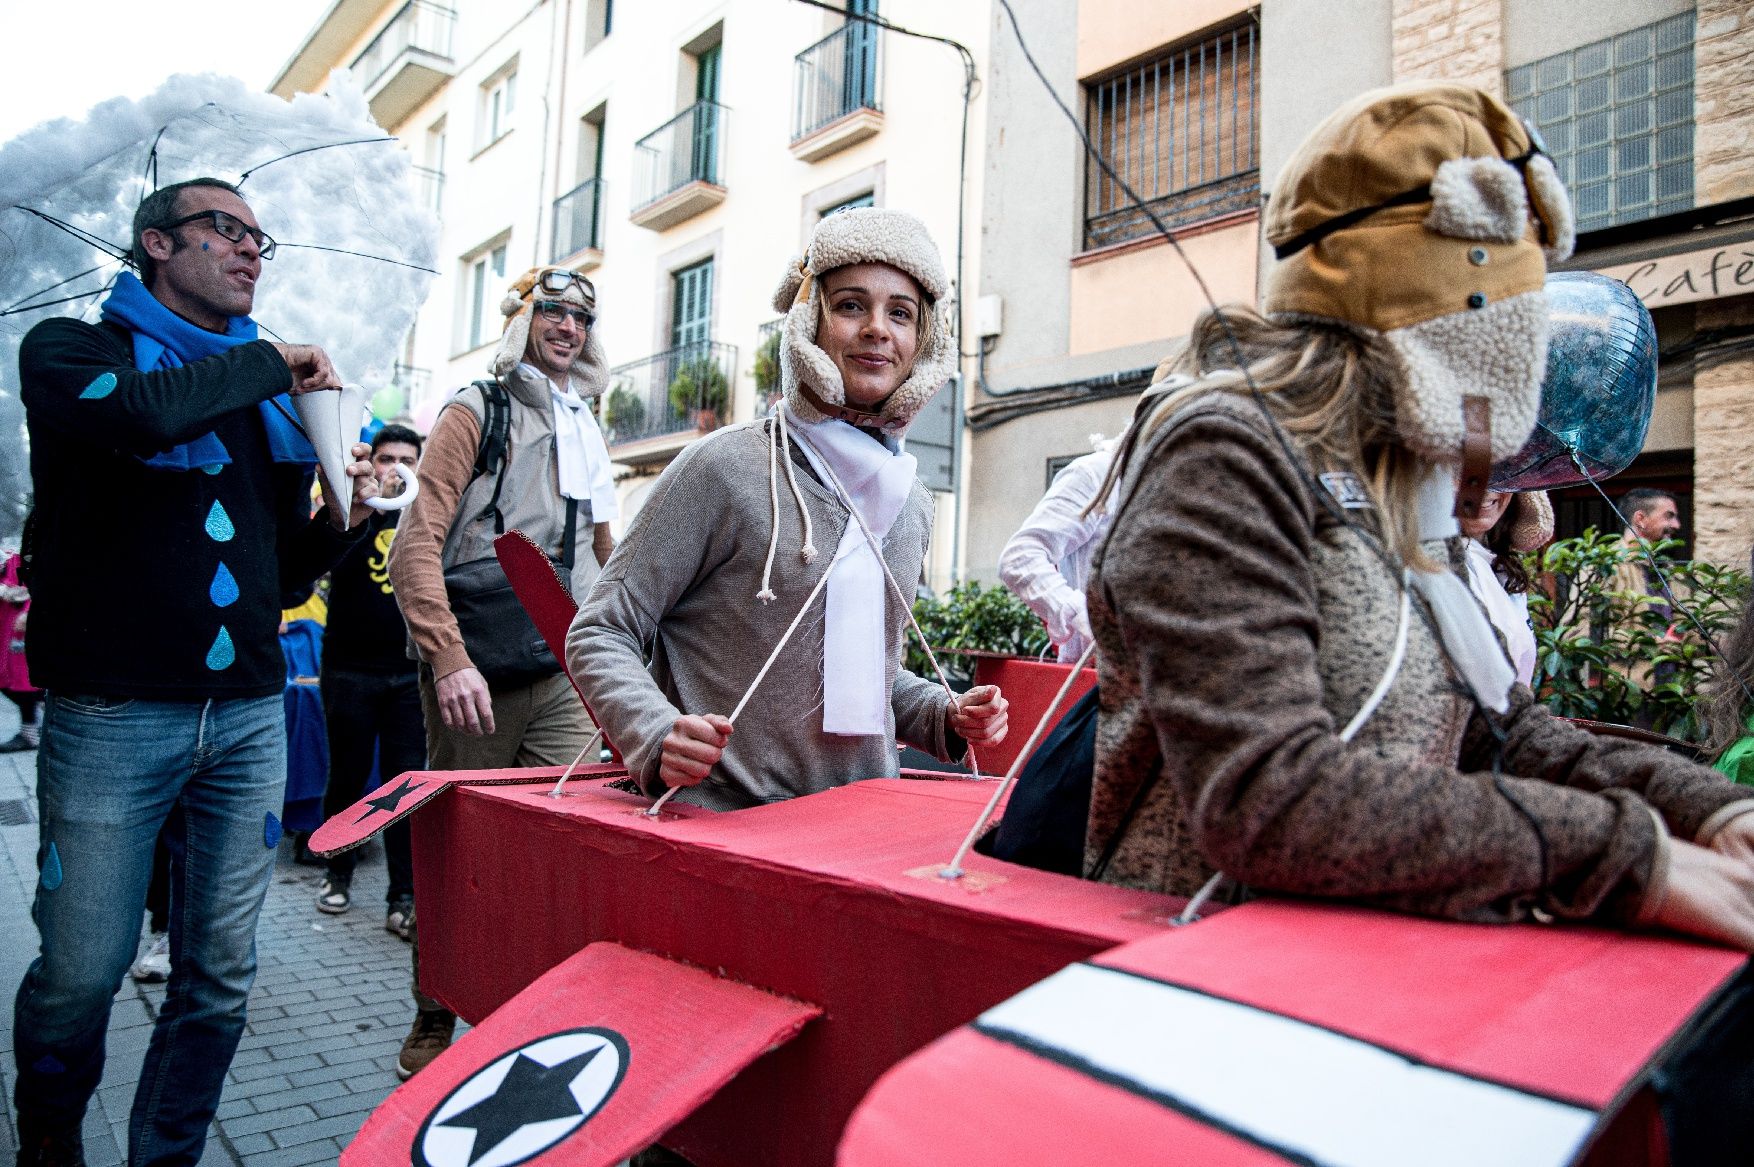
x: 554, y: 312
x: 230, y: 227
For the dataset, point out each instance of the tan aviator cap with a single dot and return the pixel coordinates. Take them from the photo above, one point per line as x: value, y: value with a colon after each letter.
x: 1411, y: 203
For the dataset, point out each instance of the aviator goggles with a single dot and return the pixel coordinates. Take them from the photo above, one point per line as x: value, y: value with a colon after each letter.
x: 229, y: 227
x: 556, y: 280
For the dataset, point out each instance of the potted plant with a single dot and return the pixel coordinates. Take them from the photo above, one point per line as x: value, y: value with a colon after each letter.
x: 700, y: 392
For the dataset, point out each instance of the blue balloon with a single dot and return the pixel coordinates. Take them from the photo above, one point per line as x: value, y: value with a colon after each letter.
x: 1599, y: 389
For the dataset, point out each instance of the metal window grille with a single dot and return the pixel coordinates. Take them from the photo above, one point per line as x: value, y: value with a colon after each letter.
x: 578, y: 219
x: 687, y: 148
x: 419, y: 25
x: 1617, y: 117
x: 1183, y: 131
x: 835, y: 76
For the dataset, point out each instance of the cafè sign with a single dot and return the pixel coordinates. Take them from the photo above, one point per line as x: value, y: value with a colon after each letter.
x: 1688, y: 276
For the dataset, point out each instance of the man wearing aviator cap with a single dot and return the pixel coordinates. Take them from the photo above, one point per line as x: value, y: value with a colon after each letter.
x: 522, y: 452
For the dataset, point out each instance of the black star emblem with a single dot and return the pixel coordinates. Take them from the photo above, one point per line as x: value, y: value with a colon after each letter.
x: 390, y: 799
x: 530, y: 1092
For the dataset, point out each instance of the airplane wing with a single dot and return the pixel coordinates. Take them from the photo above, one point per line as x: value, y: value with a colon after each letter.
x: 1286, y: 1032
x: 594, y: 1061
x: 545, y: 598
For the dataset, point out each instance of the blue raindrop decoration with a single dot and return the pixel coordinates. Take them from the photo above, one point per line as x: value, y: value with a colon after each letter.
x: 99, y: 389
x: 222, y: 654
x: 52, y: 874
x: 223, y: 591
x: 218, y: 525
x: 271, y: 831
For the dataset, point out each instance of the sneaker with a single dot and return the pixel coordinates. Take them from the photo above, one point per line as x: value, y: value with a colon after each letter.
x: 333, y: 897
x: 39, y: 1150
x: 154, y: 965
x: 400, y: 919
x: 430, y: 1037
x: 17, y: 744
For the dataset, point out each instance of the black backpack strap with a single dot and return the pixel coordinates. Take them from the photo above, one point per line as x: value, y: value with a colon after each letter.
x: 569, y: 541
x: 491, y: 453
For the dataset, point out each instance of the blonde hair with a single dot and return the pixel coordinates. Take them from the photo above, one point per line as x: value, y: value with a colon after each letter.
x: 1332, y: 390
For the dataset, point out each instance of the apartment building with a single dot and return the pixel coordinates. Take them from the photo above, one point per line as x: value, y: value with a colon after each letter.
x: 1646, y: 105
x: 678, y: 153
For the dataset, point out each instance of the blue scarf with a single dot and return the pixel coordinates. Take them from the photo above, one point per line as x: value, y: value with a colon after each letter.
x: 164, y: 340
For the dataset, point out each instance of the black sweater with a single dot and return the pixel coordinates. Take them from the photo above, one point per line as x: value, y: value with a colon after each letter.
x: 153, y: 583
x: 365, y: 633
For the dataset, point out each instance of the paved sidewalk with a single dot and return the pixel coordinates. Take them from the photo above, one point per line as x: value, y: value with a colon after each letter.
x: 326, y: 1018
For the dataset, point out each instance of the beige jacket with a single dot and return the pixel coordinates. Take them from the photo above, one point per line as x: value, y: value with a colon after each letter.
x: 444, y: 525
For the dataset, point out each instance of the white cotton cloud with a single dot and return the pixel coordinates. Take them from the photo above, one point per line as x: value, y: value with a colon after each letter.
x: 346, y: 198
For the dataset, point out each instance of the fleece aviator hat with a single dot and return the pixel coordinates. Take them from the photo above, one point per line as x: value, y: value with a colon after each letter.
x: 590, y: 368
x: 1427, y: 214
x: 809, y: 380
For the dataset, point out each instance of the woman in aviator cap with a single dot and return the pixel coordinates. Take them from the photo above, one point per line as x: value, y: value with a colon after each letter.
x: 739, y: 530
x: 1298, y: 689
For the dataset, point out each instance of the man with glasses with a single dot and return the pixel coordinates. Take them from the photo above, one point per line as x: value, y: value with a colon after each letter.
x: 522, y: 452
x: 170, y: 480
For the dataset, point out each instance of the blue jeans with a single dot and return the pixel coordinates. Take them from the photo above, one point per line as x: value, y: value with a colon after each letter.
x: 110, y: 773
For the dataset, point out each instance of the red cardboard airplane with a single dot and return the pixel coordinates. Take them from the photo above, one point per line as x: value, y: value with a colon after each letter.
x: 787, y: 983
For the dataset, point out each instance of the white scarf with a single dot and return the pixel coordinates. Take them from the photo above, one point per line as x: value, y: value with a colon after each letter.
x: 1468, y: 639
x: 581, y: 456
x: 855, y: 689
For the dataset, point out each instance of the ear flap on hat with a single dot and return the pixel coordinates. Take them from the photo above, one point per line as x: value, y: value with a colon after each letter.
x: 1478, y: 198
x: 788, y: 289
x: 1531, y: 521
x: 512, y: 342
x: 1553, y: 207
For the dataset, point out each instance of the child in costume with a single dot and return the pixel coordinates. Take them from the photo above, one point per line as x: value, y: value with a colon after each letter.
x: 1297, y: 688
x: 739, y: 530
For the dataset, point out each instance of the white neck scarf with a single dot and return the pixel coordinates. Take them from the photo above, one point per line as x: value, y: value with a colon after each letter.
x: 581, y: 456
x: 855, y: 689
x: 1468, y: 639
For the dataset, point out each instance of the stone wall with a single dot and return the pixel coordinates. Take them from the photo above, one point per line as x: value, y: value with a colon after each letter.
x: 1723, y: 143
x: 1450, y: 40
x: 1723, y: 441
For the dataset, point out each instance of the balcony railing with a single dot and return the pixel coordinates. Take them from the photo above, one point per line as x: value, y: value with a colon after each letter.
x: 432, y: 187
x: 413, y: 381
x: 421, y: 25
x: 835, y: 77
x: 578, y: 221
x: 688, y: 148
x: 684, y: 390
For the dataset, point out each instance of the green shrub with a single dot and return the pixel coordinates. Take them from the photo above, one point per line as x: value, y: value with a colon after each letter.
x: 971, y: 617
x: 624, y: 414
x: 1605, y: 655
x: 699, y: 383
x: 767, y: 363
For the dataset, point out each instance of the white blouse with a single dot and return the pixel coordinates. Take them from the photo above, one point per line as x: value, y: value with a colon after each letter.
x: 1509, y: 614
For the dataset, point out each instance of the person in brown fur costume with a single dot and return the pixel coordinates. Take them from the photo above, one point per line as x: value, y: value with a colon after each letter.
x: 1297, y: 689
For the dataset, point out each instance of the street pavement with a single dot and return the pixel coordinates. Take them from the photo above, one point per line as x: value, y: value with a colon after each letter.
x: 326, y: 1018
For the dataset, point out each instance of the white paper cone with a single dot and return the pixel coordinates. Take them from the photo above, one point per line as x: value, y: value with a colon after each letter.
x: 331, y: 421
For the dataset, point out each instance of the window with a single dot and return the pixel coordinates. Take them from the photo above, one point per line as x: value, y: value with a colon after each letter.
x: 486, y: 284
x: 691, y: 305
x: 498, y: 99
x: 431, y: 174
x: 1181, y: 130
x: 704, y: 146
x: 599, y: 20
x: 868, y: 199
x: 1617, y: 117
